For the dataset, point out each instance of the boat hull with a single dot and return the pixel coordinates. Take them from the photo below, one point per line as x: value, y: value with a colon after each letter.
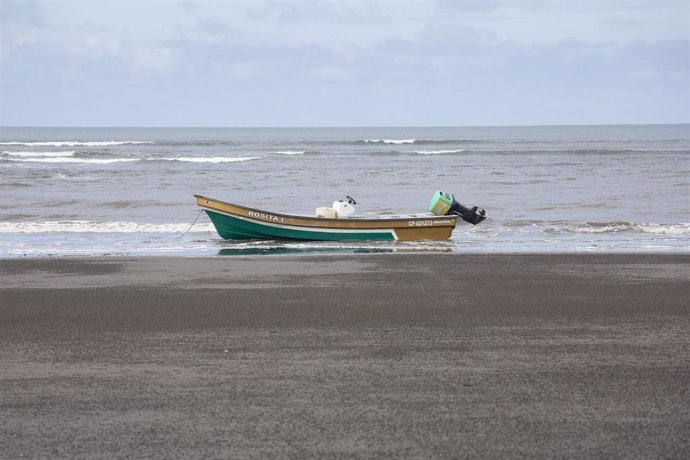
x: 239, y: 222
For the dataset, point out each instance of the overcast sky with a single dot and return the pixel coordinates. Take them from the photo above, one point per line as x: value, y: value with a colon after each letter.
x: 344, y: 63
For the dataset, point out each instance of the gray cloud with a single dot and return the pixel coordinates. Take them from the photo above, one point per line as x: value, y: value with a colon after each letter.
x: 300, y: 11
x: 19, y: 13
x: 469, y: 5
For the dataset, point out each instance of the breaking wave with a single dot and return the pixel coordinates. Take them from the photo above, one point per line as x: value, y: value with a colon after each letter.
x: 438, y: 152
x: 74, y: 160
x: 422, y: 141
x: 75, y: 143
x: 289, y: 152
x: 389, y: 141
x: 84, y: 226
x: 68, y: 153
x: 619, y: 227
x: 64, y: 158
x: 206, y: 159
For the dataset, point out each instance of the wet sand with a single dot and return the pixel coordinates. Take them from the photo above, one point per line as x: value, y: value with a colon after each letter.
x: 402, y: 355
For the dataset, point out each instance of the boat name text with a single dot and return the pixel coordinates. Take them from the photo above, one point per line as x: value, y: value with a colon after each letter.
x: 262, y: 215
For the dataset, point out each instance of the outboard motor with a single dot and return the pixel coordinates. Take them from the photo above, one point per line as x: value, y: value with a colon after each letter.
x: 443, y: 204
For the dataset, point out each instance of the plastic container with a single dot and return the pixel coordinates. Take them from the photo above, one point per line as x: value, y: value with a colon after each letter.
x: 328, y: 213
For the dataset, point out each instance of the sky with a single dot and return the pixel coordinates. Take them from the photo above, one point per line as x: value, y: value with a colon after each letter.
x: 344, y: 63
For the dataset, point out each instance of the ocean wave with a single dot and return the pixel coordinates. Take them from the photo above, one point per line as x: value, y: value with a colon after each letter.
x: 200, y: 143
x: 206, y: 159
x: 14, y: 185
x: 83, y: 226
x: 410, y: 152
x: 422, y: 141
x: 619, y: 227
x: 289, y: 152
x: 390, y: 141
x: 384, y: 153
x: 74, y: 160
x: 122, y: 204
x: 437, y: 152
x: 595, y: 151
x: 451, y: 141
x: 79, y: 159
x: 75, y: 143
x: 68, y: 153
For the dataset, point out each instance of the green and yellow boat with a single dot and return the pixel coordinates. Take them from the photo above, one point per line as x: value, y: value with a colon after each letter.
x: 233, y: 221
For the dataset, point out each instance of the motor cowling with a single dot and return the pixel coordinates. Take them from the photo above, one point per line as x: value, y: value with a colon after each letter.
x: 443, y: 204
x: 343, y: 208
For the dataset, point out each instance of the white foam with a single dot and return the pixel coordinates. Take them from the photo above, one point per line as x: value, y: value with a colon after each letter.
x: 75, y: 143
x: 437, y: 152
x: 390, y: 141
x: 84, y: 226
x: 207, y: 159
x: 616, y: 227
x: 289, y: 152
x: 68, y: 153
x: 669, y: 229
x: 76, y: 160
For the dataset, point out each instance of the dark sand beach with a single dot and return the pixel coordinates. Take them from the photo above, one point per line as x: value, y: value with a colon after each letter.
x: 399, y: 355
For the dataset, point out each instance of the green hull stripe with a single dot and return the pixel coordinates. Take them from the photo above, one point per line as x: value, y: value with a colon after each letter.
x: 231, y: 228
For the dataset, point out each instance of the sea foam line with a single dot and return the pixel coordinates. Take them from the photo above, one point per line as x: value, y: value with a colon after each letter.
x: 437, y: 152
x: 207, y: 159
x: 67, y: 153
x: 84, y: 226
x: 65, y: 159
x: 617, y: 227
x: 75, y: 143
x: 390, y: 141
x: 74, y: 160
x: 289, y: 152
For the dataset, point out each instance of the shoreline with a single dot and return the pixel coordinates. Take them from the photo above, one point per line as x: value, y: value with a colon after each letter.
x: 442, y: 355
x: 336, y: 252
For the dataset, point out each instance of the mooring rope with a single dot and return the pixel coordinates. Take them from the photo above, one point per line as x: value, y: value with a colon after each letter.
x: 190, y: 227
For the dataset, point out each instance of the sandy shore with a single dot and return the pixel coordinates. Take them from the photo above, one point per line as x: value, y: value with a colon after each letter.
x: 366, y: 355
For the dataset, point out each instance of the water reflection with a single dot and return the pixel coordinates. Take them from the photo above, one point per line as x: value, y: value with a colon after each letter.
x: 305, y: 248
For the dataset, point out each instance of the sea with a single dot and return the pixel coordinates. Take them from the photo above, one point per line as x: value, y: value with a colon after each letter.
x: 545, y: 189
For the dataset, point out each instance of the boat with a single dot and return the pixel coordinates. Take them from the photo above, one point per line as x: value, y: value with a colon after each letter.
x: 337, y: 223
